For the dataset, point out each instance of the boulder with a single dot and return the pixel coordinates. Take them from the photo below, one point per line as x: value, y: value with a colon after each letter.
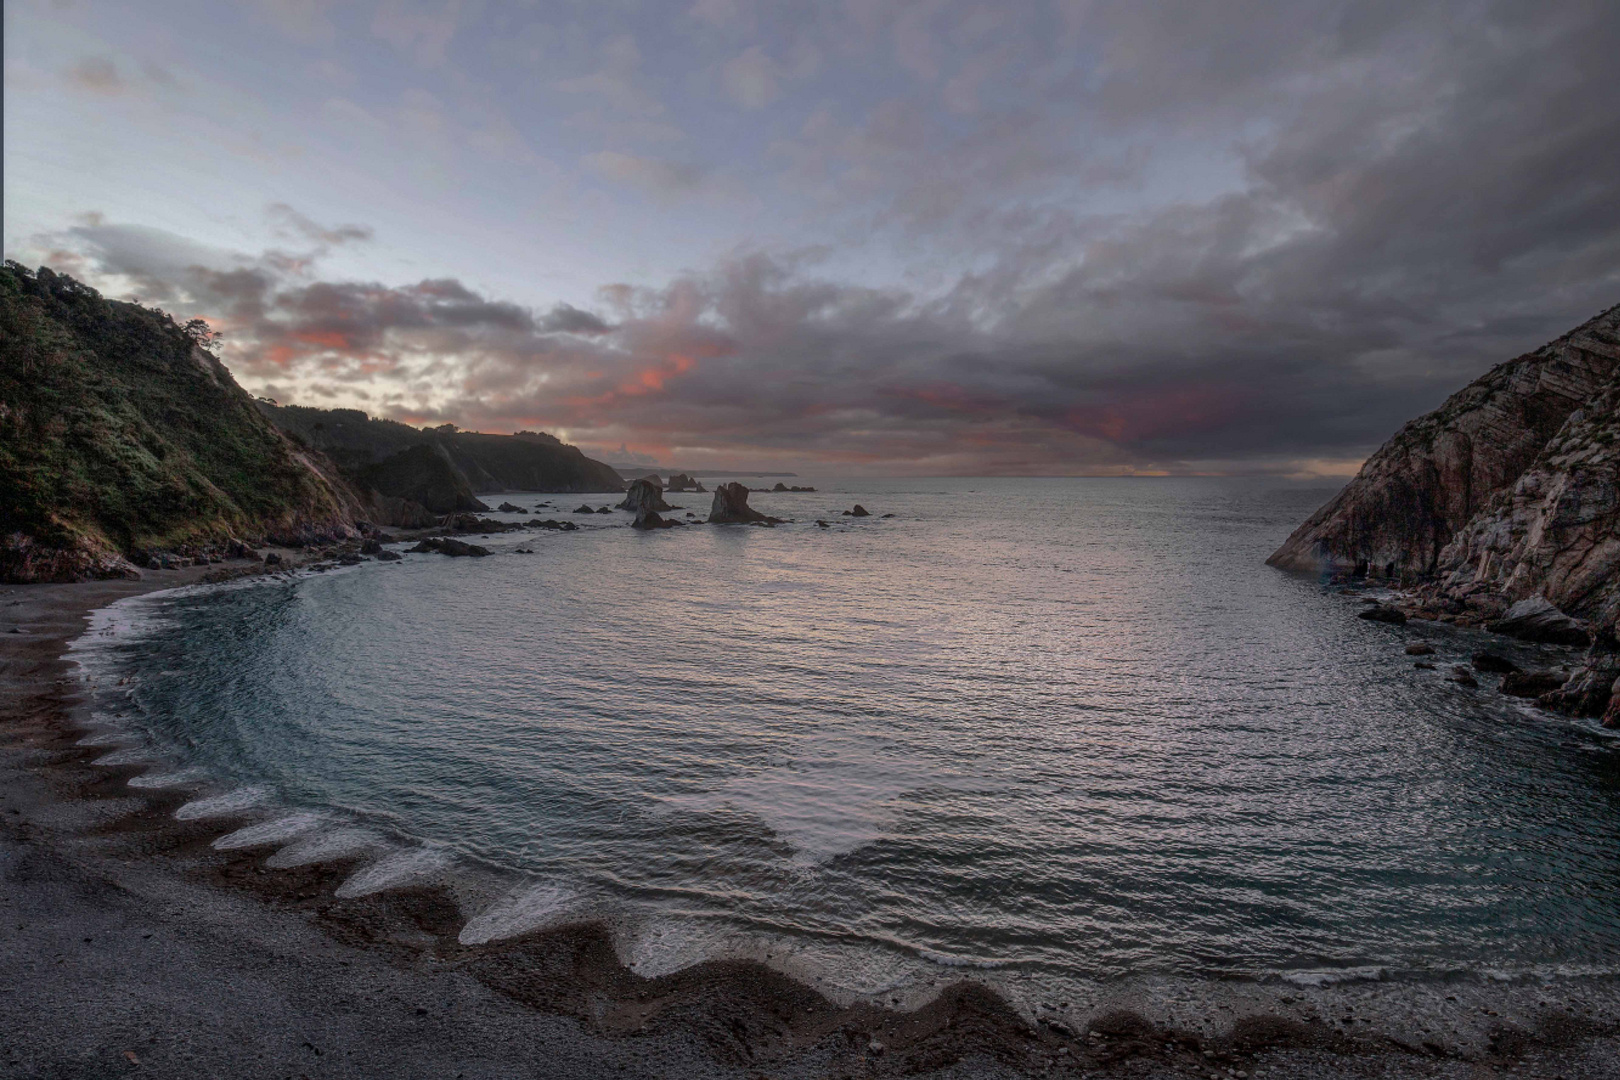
x: 508, y: 508
x: 731, y: 507
x: 681, y: 482
x: 445, y: 545
x: 389, y: 556
x: 604, y: 509
x: 1420, y: 648
x: 583, y: 509
x: 1531, y: 683
x: 859, y: 511
x: 1537, y: 619
x: 1493, y: 662
x: 780, y: 486
x: 644, y: 495
x: 272, y: 559
x: 1589, y: 689
x: 370, y: 546
x: 1463, y: 677
x: 1385, y: 614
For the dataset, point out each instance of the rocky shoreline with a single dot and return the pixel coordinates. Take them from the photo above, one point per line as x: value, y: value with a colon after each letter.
x: 96, y: 871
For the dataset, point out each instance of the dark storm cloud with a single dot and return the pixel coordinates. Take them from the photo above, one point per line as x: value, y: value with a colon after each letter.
x: 1415, y: 192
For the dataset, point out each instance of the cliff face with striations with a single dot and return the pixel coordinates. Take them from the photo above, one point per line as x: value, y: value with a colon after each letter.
x: 1556, y: 532
x: 120, y: 434
x: 1502, y: 508
x: 1441, y: 471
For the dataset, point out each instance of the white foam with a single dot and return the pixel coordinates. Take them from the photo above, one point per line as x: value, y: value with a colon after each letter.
x: 1335, y: 976
x: 401, y: 868
x: 132, y: 755
x: 324, y: 847
x: 278, y: 831
x: 232, y: 802
x: 665, y: 946
x: 168, y: 779
x: 531, y: 909
x: 109, y: 738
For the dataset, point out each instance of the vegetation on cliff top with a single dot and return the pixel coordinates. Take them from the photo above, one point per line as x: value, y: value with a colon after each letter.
x: 120, y: 431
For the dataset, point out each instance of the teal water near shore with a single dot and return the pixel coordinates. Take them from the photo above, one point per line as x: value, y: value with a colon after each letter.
x: 1070, y: 729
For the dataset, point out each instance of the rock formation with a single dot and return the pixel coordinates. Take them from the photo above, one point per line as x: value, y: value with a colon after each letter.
x: 644, y: 495
x: 1502, y: 508
x: 731, y: 507
x: 1441, y: 470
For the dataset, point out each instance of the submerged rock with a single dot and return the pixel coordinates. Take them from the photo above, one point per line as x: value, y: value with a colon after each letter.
x: 1420, y: 648
x: 731, y: 507
x: 445, y: 545
x: 1537, y: 619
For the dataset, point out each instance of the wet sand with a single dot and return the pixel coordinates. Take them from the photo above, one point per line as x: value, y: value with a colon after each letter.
x: 128, y: 945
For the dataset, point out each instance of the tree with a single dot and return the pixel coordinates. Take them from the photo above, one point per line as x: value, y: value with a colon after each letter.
x: 202, y: 335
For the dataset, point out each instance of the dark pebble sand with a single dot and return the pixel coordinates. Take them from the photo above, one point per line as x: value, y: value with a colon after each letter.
x: 129, y: 947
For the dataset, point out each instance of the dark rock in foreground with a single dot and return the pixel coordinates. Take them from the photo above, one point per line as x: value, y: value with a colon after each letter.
x: 650, y: 519
x: 731, y: 507
x: 1531, y: 684
x: 445, y: 545
x: 1385, y: 614
x: 1493, y: 662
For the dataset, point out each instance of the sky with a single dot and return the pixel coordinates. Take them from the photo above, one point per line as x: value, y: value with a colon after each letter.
x: 1061, y: 237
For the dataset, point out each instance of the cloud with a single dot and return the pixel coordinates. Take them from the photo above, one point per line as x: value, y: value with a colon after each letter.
x: 652, y: 175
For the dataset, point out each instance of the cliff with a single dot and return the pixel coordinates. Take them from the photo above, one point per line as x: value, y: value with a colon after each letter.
x: 1441, y: 471
x: 120, y: 433
x: 442, y: 468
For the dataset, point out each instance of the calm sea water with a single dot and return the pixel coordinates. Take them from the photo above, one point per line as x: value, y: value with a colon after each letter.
x: 1068, y: 728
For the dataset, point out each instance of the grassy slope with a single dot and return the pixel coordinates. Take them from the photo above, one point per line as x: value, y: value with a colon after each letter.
x: 118, y: 434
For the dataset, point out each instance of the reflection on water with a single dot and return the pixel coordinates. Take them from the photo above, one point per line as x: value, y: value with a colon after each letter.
x: 1073, y: 727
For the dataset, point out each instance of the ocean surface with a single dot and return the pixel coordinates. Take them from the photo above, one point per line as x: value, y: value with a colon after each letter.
x: 1055, y: 730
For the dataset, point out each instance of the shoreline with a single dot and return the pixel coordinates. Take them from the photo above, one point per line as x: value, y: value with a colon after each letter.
x: 75, y: 832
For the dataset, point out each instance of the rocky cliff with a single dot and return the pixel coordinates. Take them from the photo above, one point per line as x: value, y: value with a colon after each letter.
x: 442, y: 467
x: 1442, y: 470
x: 1500, y: 508
x: 120, y: 433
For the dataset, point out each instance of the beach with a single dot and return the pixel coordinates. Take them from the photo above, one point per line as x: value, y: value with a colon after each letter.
x: 129, y: 944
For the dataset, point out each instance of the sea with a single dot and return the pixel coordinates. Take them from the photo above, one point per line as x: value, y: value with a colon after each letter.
x: 1046, y: 733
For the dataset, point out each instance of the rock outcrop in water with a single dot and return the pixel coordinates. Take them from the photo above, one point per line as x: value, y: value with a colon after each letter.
x: 730, y: 507
x: 644, y: 496
x: 1501, y: 508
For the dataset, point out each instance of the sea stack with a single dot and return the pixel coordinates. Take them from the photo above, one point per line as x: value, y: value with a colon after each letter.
x: 644, y: 495
x: 731, y: 507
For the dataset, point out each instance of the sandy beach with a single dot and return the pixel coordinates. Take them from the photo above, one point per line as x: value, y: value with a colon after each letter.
x: 129, y: 946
